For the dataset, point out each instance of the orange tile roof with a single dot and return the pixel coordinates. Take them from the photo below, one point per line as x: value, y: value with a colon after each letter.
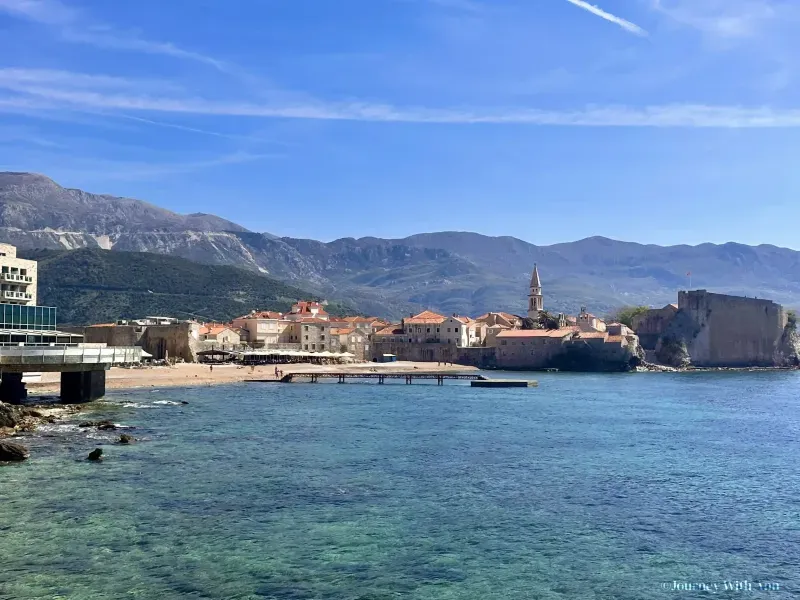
x: 593, y: 335
x: 390, y: 330
x: 464, y: 320
x: 314, y: 320
x: 358, y: 319
x: 305, y: 307
x: 614, y: 339
x: 214, y: 329
x: 342, y: 330
x: 537, y: 333
x: 426, y: 317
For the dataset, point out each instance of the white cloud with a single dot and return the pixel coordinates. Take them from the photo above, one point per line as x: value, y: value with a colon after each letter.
x: 725, y: 18
x: 465, y: 5
x: 74, y: 27
x: 50, y: 12
x: 596, y: 10
x: 47, y: 90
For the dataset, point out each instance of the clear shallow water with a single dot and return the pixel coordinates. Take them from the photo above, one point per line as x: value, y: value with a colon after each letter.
x: 592, y: 486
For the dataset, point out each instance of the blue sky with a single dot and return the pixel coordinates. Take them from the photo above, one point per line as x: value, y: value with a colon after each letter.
x: 659, y: 121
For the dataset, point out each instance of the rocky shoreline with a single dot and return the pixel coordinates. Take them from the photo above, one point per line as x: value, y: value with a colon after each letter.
x: 656, y: 368
x: 17, y: 420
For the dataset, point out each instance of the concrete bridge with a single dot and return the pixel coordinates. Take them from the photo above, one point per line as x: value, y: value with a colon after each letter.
x: 83, y: 369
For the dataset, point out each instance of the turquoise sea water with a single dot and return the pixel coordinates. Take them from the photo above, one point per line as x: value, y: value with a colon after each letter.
x: 590, y: 486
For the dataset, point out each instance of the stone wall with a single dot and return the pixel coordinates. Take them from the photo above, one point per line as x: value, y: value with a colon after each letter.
x: 180, y: 340
x: 432, y: 352
x: 528, y: 353
x: 651, y: 325
x: 728, y: 331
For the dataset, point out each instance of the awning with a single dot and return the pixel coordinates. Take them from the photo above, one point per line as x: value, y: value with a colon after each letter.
x: 214, y: 353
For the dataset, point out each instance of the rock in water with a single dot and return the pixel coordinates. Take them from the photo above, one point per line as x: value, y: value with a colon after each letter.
x: 102, y: 425
x: 10, y: 416
x: 96, y: 454
x: 125, y: 439
x: 13, y: 452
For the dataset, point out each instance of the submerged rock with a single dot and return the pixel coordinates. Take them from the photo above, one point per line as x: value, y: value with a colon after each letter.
x: 13, y: 452
x: 102, y: 425
x: 96, y: 454
x: 125, y: 439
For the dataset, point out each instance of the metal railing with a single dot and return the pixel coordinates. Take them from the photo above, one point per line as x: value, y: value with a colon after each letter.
x: 68, y: 355
x: 17, y: 295
x: 16, y: 278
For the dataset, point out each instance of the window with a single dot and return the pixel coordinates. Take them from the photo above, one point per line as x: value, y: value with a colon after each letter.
x: 429, y: 330
x: 448, y: 330
x: 313, y: 346
x: 306, y: 337
x: 322, y: 337
x: 322, y: 346
x: 305, y: 347
x: 305, y: 327
x: 503, y: 343
x: 456, y: 329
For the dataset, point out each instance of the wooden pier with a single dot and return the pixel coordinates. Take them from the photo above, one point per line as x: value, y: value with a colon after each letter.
x: 409, y: 378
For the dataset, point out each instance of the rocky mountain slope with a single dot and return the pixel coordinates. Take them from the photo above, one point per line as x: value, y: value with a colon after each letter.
x: 31, y: 202
x: 447, y: 271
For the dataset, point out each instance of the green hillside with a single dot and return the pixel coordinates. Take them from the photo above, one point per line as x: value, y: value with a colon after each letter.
x: 97, y: 286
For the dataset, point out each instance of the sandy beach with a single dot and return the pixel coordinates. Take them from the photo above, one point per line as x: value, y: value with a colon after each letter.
x: 187, y: 374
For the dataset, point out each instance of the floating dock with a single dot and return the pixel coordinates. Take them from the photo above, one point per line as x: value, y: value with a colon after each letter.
x: 475, y: 379
x: 504, y: 383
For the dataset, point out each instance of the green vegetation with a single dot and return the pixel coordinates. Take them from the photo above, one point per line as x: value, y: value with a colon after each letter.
x: 546, y: 320
x: 98, y: 286
x: 627, y: 314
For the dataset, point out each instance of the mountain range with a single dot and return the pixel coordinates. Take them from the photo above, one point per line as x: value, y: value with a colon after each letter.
x: 452, y: 272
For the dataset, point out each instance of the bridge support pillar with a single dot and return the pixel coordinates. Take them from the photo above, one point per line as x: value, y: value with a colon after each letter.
x: 12, y: 390
x: 82, y: 386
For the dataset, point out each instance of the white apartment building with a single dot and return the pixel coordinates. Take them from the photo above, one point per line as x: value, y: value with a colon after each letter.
x: 17, y: 278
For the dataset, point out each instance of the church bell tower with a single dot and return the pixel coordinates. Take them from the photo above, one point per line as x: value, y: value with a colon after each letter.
x: 535, y: 298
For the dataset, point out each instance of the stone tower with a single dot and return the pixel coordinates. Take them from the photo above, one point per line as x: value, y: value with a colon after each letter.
x: 535, y: 298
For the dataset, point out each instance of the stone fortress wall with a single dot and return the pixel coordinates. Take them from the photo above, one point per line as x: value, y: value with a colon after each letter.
x: 728, y: 331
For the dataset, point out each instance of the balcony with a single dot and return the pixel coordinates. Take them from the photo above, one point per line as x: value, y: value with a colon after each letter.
x: 24, y: 296
x: 15, y: 278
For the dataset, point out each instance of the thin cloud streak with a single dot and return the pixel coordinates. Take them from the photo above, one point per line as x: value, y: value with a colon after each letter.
x: 72, y: 27
x: 596, y: 10
x: 672, y: 115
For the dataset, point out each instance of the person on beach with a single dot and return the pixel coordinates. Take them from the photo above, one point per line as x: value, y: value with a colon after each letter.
x: 211, y: 368
x: 276, y: 373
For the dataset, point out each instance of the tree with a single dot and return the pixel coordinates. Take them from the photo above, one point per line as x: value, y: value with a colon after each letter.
x: 529, y: 323
x: 791, y: 320
x: 548, y: 320
x: 627, y: 314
